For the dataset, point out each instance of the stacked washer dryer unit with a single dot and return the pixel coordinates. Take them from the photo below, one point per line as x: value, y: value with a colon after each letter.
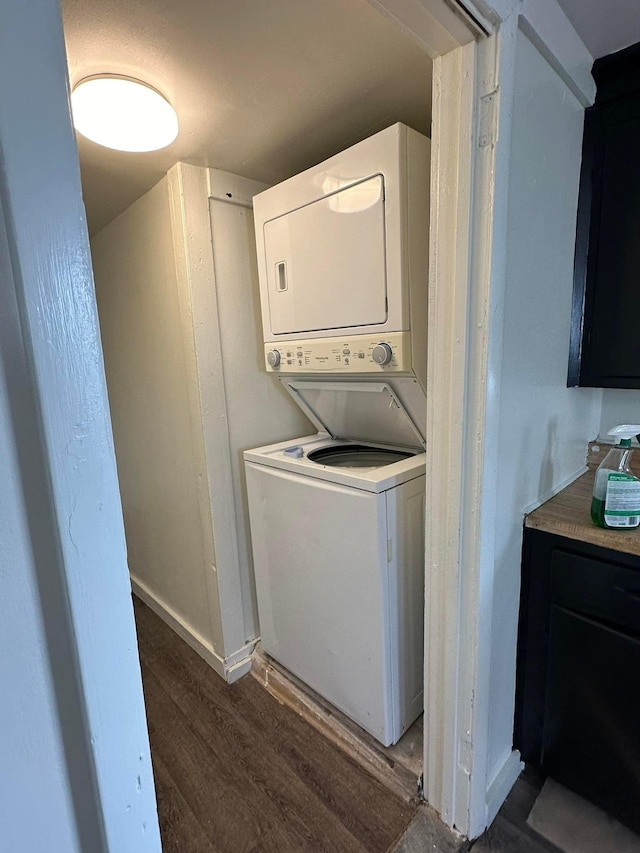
x: 337, y: 518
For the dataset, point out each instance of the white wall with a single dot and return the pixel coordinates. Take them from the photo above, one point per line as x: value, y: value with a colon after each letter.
x: 75, y: 767
x: 544, y: 426
x: 33, y: 779
x: 619, y: 406
x: 178, y: 296
x: 148, y: 374
x: 259, y: 410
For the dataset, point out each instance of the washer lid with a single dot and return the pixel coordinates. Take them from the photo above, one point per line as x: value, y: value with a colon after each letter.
x: 366, y: 411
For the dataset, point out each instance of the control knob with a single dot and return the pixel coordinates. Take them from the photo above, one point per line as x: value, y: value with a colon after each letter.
x: 382, y: 353
x: 273, y: 358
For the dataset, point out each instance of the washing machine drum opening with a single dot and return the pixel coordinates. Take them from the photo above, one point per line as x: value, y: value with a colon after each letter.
x: 357, y: 456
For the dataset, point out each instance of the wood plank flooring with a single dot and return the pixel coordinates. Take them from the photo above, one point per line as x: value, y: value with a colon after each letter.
x: 237, y: 772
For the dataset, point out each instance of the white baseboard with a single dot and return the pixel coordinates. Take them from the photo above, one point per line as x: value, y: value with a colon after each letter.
x: 231, y: 668
x: 503, y: 782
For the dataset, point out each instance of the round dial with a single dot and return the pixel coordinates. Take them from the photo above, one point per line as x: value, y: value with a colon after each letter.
x: 273, y: 358
x: 382, y: 353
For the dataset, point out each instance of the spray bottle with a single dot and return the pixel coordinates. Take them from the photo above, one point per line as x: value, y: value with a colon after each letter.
x: 616, y: 492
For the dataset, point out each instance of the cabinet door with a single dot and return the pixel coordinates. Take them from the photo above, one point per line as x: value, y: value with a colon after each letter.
x: 591, y: 738
x: 605, y: 351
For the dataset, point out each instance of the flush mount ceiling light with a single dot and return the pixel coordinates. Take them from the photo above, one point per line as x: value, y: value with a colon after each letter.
x: 122, y: 113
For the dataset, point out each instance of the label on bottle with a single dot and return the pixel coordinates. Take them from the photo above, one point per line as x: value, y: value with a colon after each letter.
x: 622, y: 502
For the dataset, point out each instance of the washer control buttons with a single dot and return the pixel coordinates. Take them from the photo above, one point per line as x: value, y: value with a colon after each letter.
x: 273, y: 358
x: 382, y: 353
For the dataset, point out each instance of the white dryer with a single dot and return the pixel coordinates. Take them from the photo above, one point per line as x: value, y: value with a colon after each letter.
x: 343, y: 261
x: 337, y: 527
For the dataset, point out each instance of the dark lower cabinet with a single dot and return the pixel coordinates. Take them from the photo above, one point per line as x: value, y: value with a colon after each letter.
x: 578, y: 695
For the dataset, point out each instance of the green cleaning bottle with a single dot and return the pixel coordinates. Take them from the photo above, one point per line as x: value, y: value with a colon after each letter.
x: 616, y: 492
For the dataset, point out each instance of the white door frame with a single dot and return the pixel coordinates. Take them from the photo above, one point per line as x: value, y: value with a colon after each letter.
x: 460, y: 626
x: 468, y: 385
x: 474, y: 792
x: 472, y: 107
x: 64, y: 453
x: 462, y: 187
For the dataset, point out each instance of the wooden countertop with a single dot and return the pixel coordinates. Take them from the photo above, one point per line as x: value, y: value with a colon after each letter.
x: 568, y: 512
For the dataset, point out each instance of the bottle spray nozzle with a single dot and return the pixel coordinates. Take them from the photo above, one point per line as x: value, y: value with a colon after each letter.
x: 625, y: 432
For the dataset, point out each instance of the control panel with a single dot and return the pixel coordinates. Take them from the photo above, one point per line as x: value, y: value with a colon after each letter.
x: 390, y: 353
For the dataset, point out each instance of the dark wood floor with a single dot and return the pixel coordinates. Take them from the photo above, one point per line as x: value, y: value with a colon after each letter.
x: 237, y: 772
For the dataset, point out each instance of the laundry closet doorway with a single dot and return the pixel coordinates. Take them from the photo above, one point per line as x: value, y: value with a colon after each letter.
x: 225, y: 627
x: 465, y: 245
x: 74, y: 341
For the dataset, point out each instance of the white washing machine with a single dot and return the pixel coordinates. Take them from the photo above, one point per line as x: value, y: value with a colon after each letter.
x: 337, y: 527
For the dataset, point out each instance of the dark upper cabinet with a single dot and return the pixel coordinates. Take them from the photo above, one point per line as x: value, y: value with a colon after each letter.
x: 605, y: 333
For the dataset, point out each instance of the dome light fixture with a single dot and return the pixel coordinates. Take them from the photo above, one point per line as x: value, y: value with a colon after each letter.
x: 122, y: 113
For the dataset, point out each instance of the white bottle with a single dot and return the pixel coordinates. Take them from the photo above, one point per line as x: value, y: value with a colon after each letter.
x: 616, y: 492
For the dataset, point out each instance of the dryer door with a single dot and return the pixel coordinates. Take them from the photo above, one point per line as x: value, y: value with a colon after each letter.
x: 326, y: 262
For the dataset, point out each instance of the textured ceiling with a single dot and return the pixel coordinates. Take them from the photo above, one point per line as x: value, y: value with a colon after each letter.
x: 263, y: 88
